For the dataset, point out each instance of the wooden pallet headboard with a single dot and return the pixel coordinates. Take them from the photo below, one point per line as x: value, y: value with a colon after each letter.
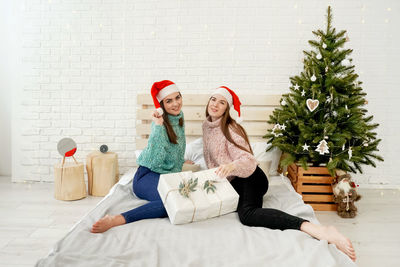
x: 255, y: 111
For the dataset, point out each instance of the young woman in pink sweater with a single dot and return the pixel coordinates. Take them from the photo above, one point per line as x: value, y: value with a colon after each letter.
x: 227, y: 147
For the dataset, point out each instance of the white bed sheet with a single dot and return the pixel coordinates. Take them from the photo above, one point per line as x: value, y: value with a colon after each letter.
x: 221, y: 241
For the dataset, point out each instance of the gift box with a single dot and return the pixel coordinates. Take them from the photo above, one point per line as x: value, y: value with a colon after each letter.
x: 189, y: 196
x: 182, y: 198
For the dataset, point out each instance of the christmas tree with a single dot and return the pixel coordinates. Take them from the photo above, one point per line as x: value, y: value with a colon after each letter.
x: 322, y: 120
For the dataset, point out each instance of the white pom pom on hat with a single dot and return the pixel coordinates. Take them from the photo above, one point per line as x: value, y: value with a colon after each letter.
x: 160, y: 90
x: 231, y: 98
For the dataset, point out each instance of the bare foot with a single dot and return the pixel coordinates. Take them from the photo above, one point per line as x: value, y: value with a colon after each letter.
x: 107, y: 222
x: 332, y: 235
x: 342, y: 243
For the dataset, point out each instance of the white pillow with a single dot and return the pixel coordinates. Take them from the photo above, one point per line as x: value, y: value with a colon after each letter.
x: 194, y: 152
x: 265, y: 166
x: 274, y: 155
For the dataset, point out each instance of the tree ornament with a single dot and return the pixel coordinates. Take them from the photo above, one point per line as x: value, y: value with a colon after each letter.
x: 326, y: 69
x: 334, y: 113
x: 296, y: 87
x: 305, y: 147
x: 313, y: 78
x: 312, y: 104
x: 303, y: 93
x: 283, y: 127
x: 276, y: 127
x: 350, y: 153
x: 343, y: 147
x: 323, y: 45
x: 283, y: 102
x: 328, y: 99
x: 319, y: 56
x: 322, y: 147
x: 346, y: 62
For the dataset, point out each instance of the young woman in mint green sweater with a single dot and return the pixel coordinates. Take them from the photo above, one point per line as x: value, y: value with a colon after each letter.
x: 164, y: 154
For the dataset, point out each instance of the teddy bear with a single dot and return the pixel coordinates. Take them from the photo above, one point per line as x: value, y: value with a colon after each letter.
x: 345, y: 194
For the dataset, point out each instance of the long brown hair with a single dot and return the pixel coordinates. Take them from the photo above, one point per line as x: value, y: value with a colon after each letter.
x: 170, y: 131
x: 226, y: 123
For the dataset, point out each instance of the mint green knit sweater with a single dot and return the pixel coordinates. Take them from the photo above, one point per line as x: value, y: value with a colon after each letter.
x: 160, y: 155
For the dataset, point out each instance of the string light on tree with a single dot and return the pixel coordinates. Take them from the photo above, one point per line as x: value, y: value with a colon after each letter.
x: 350, y: 153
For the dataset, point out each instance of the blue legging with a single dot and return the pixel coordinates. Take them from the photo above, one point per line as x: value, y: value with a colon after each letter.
x: 145, y: 187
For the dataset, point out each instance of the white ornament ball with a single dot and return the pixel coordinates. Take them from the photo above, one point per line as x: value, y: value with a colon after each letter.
x: 319, y: 56
x: 283, y: 102
x: 324, y: 46
x: 346, y: 62
x: 313, y: 78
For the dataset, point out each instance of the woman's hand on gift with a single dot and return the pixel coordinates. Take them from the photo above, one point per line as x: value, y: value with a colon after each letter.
x: 225, y: 170
x: 189, y: 162
x: 157, y: 118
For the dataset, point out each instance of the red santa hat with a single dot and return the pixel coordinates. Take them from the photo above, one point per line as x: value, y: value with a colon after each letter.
x: 231, y: 98
x: 160, y: 90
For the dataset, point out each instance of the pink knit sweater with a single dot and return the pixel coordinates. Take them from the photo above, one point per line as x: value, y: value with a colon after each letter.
x: 218, y: 150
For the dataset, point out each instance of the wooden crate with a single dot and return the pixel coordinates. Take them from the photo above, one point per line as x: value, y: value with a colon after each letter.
x: 314, y: 184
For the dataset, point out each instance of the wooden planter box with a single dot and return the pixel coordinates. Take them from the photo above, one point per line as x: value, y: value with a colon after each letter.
x: 315, y: 186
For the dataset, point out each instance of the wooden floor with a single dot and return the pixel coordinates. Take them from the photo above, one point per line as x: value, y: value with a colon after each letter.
x: 31, y: 221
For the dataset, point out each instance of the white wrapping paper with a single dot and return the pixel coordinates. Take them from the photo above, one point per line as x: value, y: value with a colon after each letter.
x: 179, y: 208
x: 200, y: 204
x: 224, y: 199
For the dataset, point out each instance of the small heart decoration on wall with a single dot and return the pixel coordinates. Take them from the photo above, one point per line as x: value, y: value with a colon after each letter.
x: 312, y: 104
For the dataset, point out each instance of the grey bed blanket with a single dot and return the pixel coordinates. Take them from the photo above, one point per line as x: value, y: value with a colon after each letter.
x: 221, y: 241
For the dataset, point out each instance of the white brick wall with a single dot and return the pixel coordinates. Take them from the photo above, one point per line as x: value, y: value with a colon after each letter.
x: 83, y: 62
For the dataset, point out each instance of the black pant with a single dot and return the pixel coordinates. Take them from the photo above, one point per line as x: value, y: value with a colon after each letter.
x: 251, y: 191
